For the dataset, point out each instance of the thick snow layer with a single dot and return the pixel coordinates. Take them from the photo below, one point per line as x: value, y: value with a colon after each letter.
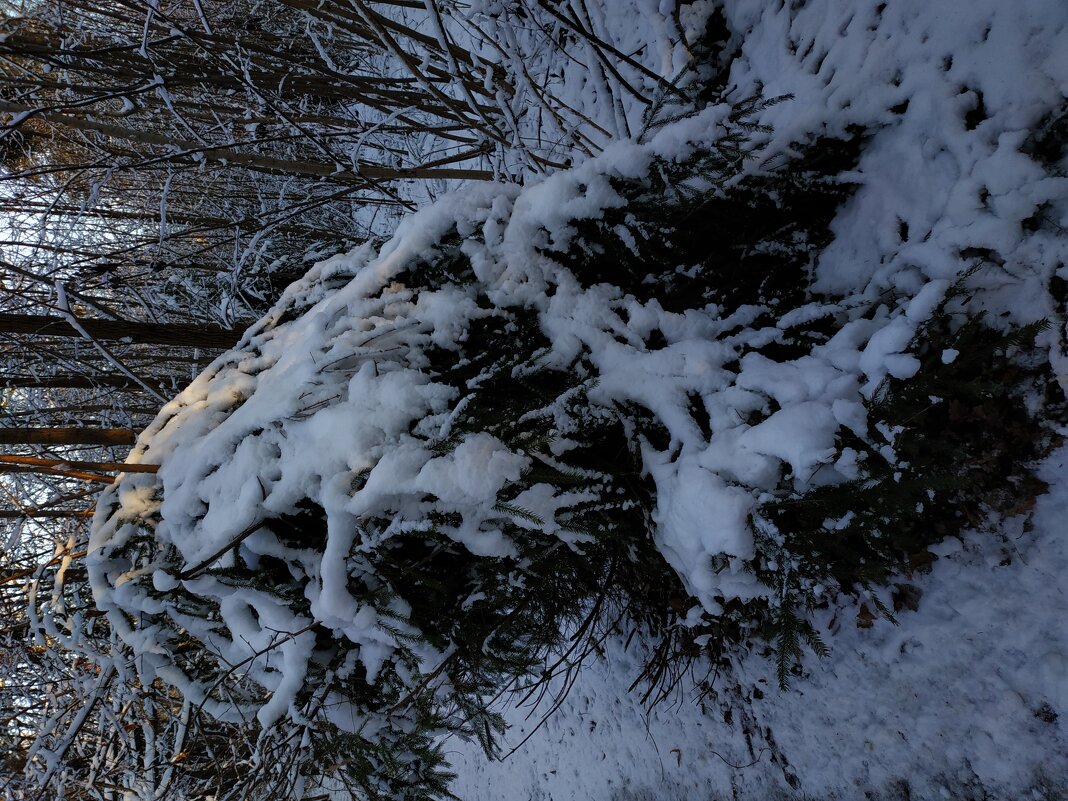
x: 326, y: 400
x: 948, y: 92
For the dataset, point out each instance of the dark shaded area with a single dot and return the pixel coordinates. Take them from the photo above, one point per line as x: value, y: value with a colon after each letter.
x: 750, y: 243
x: 963, y: 435
x: 1049, y: 142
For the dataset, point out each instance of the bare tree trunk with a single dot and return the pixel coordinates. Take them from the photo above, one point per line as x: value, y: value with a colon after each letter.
x: 107, y: 467
x: 15, y: 514
x: 67, y: 436
x: 119, y: 383
x: 177, y: 334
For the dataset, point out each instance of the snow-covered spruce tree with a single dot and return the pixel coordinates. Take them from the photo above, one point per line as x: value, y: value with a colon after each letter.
x: 609, y: 402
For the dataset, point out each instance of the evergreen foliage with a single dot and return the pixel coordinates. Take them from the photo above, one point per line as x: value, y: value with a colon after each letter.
x: 689, y: 235
x: 948, y: 447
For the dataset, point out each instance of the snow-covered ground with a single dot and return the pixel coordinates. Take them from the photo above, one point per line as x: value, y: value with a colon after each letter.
x: 955, y: 702
x: 327, y: 399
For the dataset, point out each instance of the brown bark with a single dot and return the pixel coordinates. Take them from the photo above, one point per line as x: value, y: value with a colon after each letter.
x: 66, y: 436
x: 15, y: 514
x: 34, y: 461
x: 56, y: 471
x: 117, y: 382
x: 177, y: 334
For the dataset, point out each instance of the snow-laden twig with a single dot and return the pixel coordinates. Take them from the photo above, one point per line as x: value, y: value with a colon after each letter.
x: 64, y: 309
